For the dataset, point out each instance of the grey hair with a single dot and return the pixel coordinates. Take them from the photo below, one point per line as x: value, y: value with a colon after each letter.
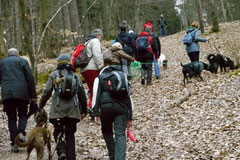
x: 13, y: 51
x: 148, y: 29
x: 95, y: 32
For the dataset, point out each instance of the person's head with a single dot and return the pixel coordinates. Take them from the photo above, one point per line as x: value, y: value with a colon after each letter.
x: 195, y: 24
x: 64, y: 58
x: 98, y: 33
x: 148, y: 21
x: 123, y: 28
x: 13, y: 51
x: 148, y: 29
x: 161, y: 16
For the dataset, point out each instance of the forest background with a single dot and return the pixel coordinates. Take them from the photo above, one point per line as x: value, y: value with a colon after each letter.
x: 24, y: 23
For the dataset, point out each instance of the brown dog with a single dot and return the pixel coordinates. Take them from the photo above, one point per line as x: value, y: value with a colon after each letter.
x: 38, y: 137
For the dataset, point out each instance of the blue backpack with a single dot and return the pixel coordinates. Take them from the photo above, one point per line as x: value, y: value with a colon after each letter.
x: 143, y: 44
x: 188, y: 39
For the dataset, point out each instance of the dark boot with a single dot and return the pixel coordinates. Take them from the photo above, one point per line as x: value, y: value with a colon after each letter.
x: 61, y: 150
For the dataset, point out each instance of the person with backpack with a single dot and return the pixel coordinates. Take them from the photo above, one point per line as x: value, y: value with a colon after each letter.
x: 113, y: 106
x: 146, y: 48
x: 93, y: 50
x: 191, y: 40
x: 148, y: 23
x: 162, y: 23
x: 69, y: 105
x: 18, y: 89
x: 129, y: 47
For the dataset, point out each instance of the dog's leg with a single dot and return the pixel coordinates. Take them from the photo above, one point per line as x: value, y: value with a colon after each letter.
x: 29, y: 150
x: 200, y: 77
x: 49, y: 148
x: 40, y: 150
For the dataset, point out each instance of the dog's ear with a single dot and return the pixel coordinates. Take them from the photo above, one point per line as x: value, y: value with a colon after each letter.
x: 182, y: 65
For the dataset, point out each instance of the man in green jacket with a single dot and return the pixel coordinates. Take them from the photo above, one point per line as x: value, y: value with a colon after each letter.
x: 65, y: 113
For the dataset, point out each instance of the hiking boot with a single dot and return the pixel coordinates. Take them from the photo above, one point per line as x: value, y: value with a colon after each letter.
x: 143, y: 81
x: 62, y: 156
x: 14, y: 149
x: 21, y: 137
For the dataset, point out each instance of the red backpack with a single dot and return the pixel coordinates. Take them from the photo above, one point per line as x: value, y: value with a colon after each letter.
x: 77, y: 52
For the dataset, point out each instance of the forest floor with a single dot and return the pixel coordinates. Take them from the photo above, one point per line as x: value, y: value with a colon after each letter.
x: 206, y: 126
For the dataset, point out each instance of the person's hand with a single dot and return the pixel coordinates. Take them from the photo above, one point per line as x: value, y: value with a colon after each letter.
x: 83, y: 115
x: 208, y: 38
x: 130, y: 124
x: 97, y: 120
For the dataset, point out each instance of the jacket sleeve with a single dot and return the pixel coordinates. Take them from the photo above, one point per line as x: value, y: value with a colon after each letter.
x: 82, y: 97
x: 198, y: 38
x: 96, y: 96
x: 30, y: 80
x: 124, y: 55
x: 97, y: 54
x: 47, y: 92
x: 133, y: 44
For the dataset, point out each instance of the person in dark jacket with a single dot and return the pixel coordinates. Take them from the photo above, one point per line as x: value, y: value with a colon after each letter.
x: 162, y: 23
x: 193, y: 49
x: 133, y: 34
x: 18, y: 89
x: 64, y: 113
x: 129, y: 47
x: 111, y: 111
x: 146, y: 58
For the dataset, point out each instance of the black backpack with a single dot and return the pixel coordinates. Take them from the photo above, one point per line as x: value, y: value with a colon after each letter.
x: 118, y: 85
x: 66, y: 84
x: 143, y: 44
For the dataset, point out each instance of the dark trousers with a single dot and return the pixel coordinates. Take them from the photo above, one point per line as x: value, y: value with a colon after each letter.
x: 194, y: 56
x: 116, y: 115
x: 147, y: 69
x: 64, y: 129
x: 12, y: 108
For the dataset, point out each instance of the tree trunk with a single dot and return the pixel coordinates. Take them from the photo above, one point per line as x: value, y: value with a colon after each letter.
x: 199, y: 10
x: 215, y: 25
x: 223, y: 10
x: 3, y: 49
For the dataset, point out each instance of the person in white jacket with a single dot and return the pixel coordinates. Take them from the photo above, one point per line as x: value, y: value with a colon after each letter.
x: 91, y: 71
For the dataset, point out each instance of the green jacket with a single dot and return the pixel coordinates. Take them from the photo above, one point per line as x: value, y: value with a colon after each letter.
x: 66, y: 108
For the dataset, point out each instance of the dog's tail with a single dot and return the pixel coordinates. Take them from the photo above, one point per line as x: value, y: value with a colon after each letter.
x: 19, y: 143
x: 209, y: 57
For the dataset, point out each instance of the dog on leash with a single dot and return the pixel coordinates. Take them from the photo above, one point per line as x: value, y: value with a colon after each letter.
x: 219, y: 60
x: 193, y: 69
x: 38, y: 137
x: 163, y: 61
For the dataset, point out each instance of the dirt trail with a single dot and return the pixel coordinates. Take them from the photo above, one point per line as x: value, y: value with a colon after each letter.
x: 206, y: 126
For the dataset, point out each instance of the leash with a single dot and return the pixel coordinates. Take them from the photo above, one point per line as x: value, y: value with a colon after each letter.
x: 213, y: 46
x: 135, y: 67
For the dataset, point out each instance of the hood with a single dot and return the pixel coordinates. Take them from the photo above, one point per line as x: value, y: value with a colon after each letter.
x: 116, y: 46
x: 144, y: 34
x: 90, y: 37
x: 122, y: 34
x: 190, y: 29
x: 110, y: 68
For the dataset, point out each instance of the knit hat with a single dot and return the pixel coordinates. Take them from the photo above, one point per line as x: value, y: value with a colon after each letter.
x: 63, y: 58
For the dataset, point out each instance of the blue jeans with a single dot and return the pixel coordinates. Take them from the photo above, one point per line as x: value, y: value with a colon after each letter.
x: 156, y: 67
x: 12, y: 107
x: 163, y: 31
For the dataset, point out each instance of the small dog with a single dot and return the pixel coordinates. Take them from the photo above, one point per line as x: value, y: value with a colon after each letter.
x: 219, y: 60
x: 193, y: 69
x: 38, y: 136
x: 163, y: 61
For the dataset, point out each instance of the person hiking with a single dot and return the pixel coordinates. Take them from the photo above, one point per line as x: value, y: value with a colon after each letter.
x: 124, y: 23
x: 148, y: 23
x: 133, y: 34
x: 193, y: 49
x: 156, y: 49
x: 118, y: 53
x: 145, y: 50
x: 66, y: 110
x: 18, y: 89
x: 162, y: 23
x: 91, y: 71
x: 108, y: 110
x: 129, y: 47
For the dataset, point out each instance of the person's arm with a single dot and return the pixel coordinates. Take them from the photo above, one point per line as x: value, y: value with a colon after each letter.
x: 198, y: 38
x: 96, y: 100
x: 124, y: 55
x: 30, y: 80
x: 82, y: 98
x: 47, y: 92
x: 97, y: 54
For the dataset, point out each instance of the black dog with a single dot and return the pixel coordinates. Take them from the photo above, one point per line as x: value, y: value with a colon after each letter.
x: 193, y: 69
x: 219, y: 60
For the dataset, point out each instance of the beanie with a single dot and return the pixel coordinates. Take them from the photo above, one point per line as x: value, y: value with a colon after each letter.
x: 63, y: 58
